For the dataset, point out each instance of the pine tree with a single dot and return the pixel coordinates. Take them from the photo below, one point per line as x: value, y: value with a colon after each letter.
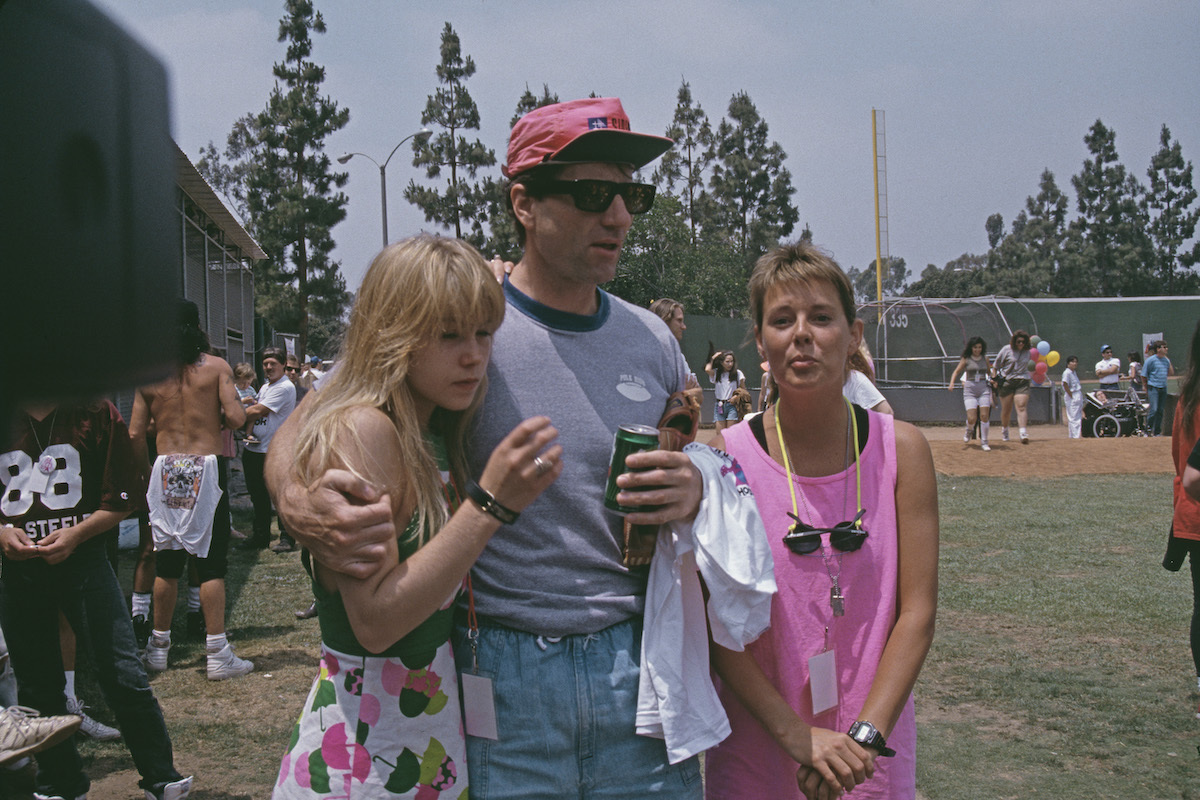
x: 502, y: 232
x: 750, y: 187
x: 965, y: 276
x: 688, y: 161
x: 1107, y: 243
x: 531, y: 102
x: 228, y: 173
x: 1043, y: 233
x: 658, y: 260
x: 1029, y: 261
x: 463, y: 203
x: 1170, y: 207
x: 895, y: 278
x: 290, y: 195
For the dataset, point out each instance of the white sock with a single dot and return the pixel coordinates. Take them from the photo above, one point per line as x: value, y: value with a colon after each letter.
x: 140, y: 605
x: 216, y: 642
x: 1024, y: 435
x: 69, y: 689
x: 983, y: 430
x: 161, y: 638
x: 193, y: 598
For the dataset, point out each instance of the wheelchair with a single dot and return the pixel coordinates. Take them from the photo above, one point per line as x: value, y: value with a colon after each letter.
x: 1106, y: 416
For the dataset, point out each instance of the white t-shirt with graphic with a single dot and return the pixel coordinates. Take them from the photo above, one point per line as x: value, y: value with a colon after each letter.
x: 280, y: 398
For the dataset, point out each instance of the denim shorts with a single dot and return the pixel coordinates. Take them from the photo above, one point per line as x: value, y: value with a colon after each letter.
x: 565, y: 713
x: 725, y: 410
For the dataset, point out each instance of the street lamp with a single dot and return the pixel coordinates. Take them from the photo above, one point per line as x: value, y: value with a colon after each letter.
x: 424, y: 133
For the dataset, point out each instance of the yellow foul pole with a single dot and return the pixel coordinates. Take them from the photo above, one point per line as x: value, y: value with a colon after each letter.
x: 878, y: 245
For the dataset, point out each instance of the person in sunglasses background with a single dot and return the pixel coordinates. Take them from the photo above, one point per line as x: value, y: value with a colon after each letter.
x: 276, y: 401
x: 822, y: 702
x: 556, y: 621
x: 292, y: 371
x: 1011, y: 370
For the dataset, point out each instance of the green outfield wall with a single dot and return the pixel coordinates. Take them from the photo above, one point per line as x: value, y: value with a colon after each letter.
x: 916, y: 342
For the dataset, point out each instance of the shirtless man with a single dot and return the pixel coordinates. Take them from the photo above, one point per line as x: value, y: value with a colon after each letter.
x: 188, y: 494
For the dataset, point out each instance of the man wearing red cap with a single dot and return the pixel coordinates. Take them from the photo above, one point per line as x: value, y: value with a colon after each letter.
x: 554, y: 630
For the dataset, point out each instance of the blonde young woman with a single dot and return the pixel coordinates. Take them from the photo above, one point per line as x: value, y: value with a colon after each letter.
x: 822, y: 703
x: 383, y: 717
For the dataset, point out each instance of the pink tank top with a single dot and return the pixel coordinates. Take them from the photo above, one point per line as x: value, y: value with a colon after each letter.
x: 749, y: 763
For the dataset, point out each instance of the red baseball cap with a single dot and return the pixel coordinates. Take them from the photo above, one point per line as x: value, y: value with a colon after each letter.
x: 593, y: 129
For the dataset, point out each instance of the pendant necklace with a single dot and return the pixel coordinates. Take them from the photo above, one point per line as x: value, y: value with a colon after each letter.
x: 837, y: 600
x: 45, y: 462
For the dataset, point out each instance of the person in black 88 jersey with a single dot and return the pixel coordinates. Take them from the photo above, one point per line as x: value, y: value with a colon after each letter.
x: 69, y: 474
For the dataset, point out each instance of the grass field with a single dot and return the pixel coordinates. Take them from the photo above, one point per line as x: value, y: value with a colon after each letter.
x: 1060, y: 667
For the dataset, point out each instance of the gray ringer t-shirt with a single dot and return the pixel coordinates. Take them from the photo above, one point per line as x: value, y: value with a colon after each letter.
x: 558, y: 570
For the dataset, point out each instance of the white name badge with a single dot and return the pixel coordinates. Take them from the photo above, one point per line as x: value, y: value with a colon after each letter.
x: 479, y: 707
x: 822, y: 679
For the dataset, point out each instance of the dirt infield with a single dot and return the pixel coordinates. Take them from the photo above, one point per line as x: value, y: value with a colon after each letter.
x: 1049, y: 454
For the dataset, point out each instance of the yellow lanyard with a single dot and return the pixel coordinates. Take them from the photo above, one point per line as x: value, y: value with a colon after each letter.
x: 787, y: 465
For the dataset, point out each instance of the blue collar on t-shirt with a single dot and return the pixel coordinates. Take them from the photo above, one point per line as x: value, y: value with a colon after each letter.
x: 552, y: 317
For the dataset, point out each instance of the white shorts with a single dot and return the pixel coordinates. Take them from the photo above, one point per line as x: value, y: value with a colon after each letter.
x: 182, y: 497
x: 977, y: 394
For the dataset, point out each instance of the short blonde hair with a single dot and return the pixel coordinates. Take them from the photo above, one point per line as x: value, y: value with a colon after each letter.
x: 803, y: 263
x: 243, y: 372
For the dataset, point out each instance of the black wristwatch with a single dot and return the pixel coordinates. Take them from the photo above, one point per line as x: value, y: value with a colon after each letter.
x: 868, y: 736
x: 487, y: 501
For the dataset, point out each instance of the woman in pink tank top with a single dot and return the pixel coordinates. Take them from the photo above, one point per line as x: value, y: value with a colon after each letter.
x: 822, y: 702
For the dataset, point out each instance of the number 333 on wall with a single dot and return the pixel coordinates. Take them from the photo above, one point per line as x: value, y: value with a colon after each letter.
x: 54, y: 478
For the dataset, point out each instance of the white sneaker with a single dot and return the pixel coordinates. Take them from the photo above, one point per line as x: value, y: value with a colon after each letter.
x: 40, y: 796
x: 156, y: 655
x: 90, y: 727
x: 179, y: 790
x: 23, y: 731
x: 967, y: 437
x: 224, y: 664
x: 986, y: 448
x: 1004, y: 434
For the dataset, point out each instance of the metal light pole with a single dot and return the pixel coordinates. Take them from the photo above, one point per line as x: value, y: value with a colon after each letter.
x: 342, y: 159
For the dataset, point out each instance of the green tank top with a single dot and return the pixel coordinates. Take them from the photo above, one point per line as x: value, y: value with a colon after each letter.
x: 419, y: 646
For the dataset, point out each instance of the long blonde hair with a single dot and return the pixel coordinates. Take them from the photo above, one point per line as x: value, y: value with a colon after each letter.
x: 414, y: 291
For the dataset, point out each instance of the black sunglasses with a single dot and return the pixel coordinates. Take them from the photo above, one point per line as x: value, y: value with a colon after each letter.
x: 291, y: 369
x: 803, y: 539
x: 597, y: 196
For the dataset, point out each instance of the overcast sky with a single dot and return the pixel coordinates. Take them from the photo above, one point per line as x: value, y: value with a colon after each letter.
x: 979, y: 97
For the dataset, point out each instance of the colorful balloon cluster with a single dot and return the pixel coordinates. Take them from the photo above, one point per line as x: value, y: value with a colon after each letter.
x: 1041, y: 358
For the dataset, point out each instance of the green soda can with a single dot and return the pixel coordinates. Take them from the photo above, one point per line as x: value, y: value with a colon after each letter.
x: 629, y: 439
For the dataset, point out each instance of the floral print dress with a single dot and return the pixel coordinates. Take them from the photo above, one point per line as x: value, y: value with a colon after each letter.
x: 379, y: 726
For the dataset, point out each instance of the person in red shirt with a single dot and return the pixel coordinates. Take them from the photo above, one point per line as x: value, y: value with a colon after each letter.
x: 1185, y: 524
